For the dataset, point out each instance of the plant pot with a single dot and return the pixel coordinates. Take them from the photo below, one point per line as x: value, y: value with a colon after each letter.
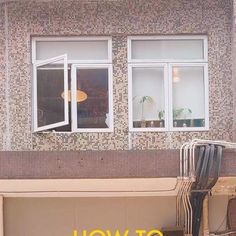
x: 161, y: 124
x: 143, y: 123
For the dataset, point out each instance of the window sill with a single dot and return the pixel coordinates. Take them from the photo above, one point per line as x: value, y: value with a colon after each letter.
x: 76, y: 132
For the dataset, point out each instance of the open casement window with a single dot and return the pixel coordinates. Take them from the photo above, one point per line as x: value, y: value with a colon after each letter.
x: 50, y: 94
x: 72, y: 92
x: 168, y: 83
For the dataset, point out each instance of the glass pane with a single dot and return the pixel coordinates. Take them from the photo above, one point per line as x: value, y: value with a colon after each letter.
x: 75, y: 50
x: 50, y: 86
x: 168, y: 49
x: 92, y: 98
x: 188, y: 96
x: 148, y: 97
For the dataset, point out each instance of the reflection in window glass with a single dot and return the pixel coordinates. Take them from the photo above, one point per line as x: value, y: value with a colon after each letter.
x: 148, y: 97
x: 92, y: 98
x: 188, y: 96
x: 184, y: 49
x: 50, y: 85
x: 75, y: 50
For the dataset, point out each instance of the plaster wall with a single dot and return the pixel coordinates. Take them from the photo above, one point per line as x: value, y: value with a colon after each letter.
x: 21, y: 20
x: 60, y: 216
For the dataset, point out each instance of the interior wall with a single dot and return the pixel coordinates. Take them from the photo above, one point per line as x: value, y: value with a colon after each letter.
x: 60, y: 216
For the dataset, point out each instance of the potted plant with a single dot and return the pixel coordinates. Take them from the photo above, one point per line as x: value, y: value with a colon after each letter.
x: 161, y: 116
x: 142, y: 101
x: 178, y: 113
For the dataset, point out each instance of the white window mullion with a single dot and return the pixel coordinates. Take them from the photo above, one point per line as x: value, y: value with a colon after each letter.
x: 110, y: 98
x: 170, y: 98
x: 206, y: 84
x: 73, y: 99
x: 130, y: 96
x: 35, y: 95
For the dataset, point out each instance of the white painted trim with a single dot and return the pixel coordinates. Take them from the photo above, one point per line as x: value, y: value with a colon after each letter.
x: 170, y: 103
x: 74, y: 101
x: 109, y: 49
x: 130, y: 100
x: 167, y: 92
x: 205, y: 53
x: 127, y: 187
x: 165, y: 61
x: 83, y: 61
x: 129, y: 49
x: 207, y: 101
x: 89, y: 187
x: 167, y: 37
x: 35, y: 103
x: 71, y: 38
x: 206, y: 95
x: 130, y: 97
x: 33, y: 50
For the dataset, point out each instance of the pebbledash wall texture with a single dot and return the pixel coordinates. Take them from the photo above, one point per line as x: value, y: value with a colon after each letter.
x: 234, y: 68
x: 21, y: 20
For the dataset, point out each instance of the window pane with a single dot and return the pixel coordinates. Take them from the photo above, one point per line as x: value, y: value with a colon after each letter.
x: 75, y: 50
x: 50, y: 86
x: 168, y: 49
x: 92, y: 98
x: 188, y: 96
x: 148, y: 97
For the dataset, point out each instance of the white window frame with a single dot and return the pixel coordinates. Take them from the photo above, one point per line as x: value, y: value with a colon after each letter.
x: 130, y: 92
x: 74, y: 63
x: 74, y: 100
x: 168, y: 64
x: 35, y: 98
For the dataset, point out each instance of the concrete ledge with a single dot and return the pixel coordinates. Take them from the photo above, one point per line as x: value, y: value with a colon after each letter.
x: 98, y: 164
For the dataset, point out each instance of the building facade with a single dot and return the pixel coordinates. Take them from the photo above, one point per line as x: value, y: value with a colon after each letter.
x: 21, y: 21
x: 180, y: 52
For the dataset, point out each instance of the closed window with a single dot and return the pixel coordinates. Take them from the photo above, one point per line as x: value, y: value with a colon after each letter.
x: 72, y: 84
x: 168, y: 83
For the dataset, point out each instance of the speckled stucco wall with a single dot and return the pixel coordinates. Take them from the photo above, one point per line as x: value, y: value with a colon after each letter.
x: 234, y: 68
x: 117, y: 18
x: 3, y: 131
